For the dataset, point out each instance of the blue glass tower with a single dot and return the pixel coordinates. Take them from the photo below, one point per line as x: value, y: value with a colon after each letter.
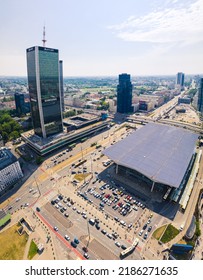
x: 124, y: 94
x: 200, y: 97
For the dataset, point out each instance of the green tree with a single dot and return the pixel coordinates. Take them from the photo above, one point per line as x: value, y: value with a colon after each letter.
x: 9, y: 128
x: 14, y: 135
x: 39, y: 160
x: 5, y: 136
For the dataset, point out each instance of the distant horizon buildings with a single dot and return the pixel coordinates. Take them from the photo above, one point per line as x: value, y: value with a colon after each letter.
x: 124, y: 94
x: 44, y: 89
x: 200, y: 97
x: 180, y: 78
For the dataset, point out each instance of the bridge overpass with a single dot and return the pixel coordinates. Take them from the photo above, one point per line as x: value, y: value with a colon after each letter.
x: 144, y: 120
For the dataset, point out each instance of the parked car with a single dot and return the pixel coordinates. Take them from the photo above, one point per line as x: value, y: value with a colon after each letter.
x: 67, y: 237
x: 76, y: 240
x: 73, y: 244
x: 86, y: 255
x: 85, y: 249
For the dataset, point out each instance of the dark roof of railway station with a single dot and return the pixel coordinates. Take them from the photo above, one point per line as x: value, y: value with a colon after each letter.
x: 160, y: 152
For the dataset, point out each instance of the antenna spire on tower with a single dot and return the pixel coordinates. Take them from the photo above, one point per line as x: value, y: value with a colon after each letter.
x: 44, y: 40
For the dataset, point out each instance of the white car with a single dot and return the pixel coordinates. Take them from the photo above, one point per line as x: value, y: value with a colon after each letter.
x: 56, y: 229
x: 67, y: 237
x: 86, y: 255
x: 141, y: 232
x: 181, y: 227
x: 117, y: 244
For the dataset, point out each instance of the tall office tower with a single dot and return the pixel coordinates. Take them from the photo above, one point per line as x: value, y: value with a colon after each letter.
x: 20, y: 103
x: 44, y: 90
x: 200, y: 97
x: 180, y: 79
x: 61, y: 84
x: 124, y: 94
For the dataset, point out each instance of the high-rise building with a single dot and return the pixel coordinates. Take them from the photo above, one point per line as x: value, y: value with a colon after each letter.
x: 10, y: 170
x: 124, y: 94
x: 61, y: 84
x: 200, y: 97
x: 44, y: 90
x: 180, y: 77
x: 20, y: 103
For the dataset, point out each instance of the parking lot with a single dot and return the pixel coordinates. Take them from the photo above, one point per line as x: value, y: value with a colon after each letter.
x: 96, y: 214
x: 115, y: 214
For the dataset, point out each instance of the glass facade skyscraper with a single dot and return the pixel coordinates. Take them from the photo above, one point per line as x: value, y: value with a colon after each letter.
x: 44, y: 90
x: 200, y: 97
x: 180, y: 77
x: 20, y: 103
x: 124, y: 94
x: 61, y: 84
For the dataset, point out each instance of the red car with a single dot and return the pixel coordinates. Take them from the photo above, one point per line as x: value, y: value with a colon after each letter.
x: 85, y: 249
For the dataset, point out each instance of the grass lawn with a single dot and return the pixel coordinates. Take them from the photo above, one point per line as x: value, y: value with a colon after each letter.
x: 32, y: 250
x: 81, y: 176
x: 12, y: 244
x: 158, y: 232
x: 169, y: 233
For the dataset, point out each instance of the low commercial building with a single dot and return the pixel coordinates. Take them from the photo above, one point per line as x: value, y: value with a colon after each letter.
x: 10, y: 170
x: 184, y: 100
x: 154, y: 154
x: 180, y: 109
x: 78, y: 131
x: 82, y: 120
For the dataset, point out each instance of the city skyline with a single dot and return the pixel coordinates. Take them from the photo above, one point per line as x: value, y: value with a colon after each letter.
x: 104, y: 39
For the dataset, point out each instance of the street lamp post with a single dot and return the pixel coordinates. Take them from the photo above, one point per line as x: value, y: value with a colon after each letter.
x: 37, y: 187
x: 88, y: 230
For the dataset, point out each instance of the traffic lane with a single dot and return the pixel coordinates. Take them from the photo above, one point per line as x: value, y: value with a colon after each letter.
x: 61, y: 238
x: 24, y: 199
x: 25, y: 195
x: 65, y: 226
x: 80, y: 228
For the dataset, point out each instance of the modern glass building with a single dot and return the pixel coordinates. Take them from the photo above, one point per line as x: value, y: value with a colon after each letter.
x: 200, y: 97
x: 44, y: 90
x: 20, y: 103
x: 61, y: 84
x: 180, y: 77
x: 124, y: 94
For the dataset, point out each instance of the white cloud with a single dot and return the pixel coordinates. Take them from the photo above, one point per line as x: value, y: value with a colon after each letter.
x: 171, y: 25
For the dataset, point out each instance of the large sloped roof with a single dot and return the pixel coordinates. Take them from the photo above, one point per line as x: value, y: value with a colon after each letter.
x: 160, y: 152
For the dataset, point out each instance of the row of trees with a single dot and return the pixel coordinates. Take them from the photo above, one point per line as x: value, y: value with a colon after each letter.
x: 72, y: 113
x: 9, y: 128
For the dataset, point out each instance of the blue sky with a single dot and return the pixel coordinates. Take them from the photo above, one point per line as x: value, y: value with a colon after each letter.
x: 108, y: 37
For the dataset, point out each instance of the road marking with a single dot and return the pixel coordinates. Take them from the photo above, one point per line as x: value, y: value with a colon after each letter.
x: 78, y: 254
